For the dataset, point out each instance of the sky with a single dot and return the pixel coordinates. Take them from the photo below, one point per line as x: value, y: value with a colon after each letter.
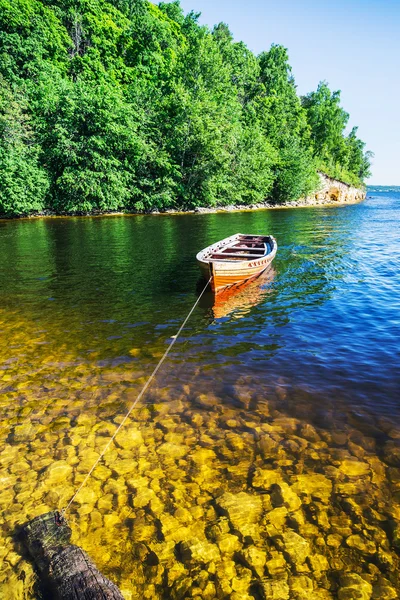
x: 354, y: 45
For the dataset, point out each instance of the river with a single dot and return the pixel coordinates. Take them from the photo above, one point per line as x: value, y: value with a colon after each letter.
x: 264, y: 459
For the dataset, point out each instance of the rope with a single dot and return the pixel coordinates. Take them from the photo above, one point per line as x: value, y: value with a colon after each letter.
x: 139, y: 397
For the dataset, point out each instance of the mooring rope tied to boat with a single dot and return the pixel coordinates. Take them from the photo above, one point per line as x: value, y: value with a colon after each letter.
x: 137, y: 400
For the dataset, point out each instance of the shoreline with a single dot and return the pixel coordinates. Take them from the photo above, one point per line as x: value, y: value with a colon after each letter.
x: 331, y: 193
x: 196, y: 211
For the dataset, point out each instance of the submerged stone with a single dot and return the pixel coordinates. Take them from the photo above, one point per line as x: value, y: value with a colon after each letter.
x: 242, y: 509
x: 199, y: 551
x: 301, y: 587
x: 228, y: 544
x: 129, y: 438
x: 255, y: 559
x: 57, y: 472
x: 276, y: 590
x: 295, y: 546
x: 172, y: 450
x: 203, y: 456
x: 241, y: 583
x: 354, y: 468
x: 315, y: 485
x: 318, y: 563
x: 277, y: 564
x: 361, y: 543
x: 265, y: 478
x: 354, y: 587
x: 283, y: 495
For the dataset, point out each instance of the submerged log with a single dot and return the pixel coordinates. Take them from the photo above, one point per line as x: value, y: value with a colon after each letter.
x: 67, y: 569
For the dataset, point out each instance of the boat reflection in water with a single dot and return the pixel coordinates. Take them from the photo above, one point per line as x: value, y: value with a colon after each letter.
x: 237, y: 301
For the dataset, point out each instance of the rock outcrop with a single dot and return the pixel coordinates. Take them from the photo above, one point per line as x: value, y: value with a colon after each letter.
x: 333, y: 191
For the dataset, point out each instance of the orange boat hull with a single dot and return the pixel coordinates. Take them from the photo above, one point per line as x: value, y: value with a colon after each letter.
x: 221, y: 280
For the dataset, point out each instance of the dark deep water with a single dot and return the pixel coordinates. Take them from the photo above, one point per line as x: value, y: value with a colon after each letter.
x: 87, y: 306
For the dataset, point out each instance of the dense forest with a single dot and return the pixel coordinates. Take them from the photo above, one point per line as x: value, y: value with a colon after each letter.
x: 127, y: 105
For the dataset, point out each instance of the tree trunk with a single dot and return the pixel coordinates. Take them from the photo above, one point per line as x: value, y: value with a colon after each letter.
x: 65, y: 568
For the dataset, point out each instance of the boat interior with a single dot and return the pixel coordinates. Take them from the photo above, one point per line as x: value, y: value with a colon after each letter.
x: 245, y: 247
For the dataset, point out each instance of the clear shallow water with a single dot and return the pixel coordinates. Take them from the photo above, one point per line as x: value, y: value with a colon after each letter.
x: 87, y: 306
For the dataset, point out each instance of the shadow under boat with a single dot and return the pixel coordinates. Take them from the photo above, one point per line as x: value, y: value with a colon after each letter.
x: 236, y: 300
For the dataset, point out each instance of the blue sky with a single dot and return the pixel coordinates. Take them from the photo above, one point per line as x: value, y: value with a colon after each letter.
x: 352, y: 44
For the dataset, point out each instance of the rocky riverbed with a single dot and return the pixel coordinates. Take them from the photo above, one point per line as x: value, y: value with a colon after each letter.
x: 198, y: 499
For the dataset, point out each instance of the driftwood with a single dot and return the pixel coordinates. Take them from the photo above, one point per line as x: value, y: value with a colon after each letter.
x: 67, y: 569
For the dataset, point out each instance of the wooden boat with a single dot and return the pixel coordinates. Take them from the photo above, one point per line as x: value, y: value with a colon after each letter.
x: 236, y: 259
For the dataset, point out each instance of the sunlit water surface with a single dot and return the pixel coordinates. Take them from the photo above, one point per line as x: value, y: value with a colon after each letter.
x: 296, y: 376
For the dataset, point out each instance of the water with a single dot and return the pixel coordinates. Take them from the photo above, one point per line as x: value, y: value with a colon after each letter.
x: 298, y: 374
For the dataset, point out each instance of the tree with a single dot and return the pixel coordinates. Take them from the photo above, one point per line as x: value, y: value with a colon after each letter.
x: 328, y: 121
x: 295, y: 173
x: 92, y: 149
x: 359, y: 161
x: 23, y: 182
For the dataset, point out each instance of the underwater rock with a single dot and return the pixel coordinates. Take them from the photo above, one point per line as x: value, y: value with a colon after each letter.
x: 353, y: 587
x: 174, y: 572
x: 255, y: 559
x: 129, y: 438
x: 172, y: 529
x: 125, y: 467
x: 314, y: 485
x: 57, y: 472
x: 21, y: 466
x: 301, y: 587
x: 361, y: 543
x: 265, y: 478
x: 277, y: 564
x: 318, y: 563
x: 295, y: 546
x: 202, y: 456
x: 384, y: 591
x: 228, y: 544
x: 354, y: 468
x: 224, y: 573
x: 207, y: 400
x: 198, y: 551
x: 24, y: 432
x: 267, y: 446
x: 172, y: 450
x: 183, y: 515
x: 243, y: 510
x: 392, y: 453
x: 309, y: 432
x: 334, y: 540
x: 275, y: 520
x: 276, y: 590
x: 241, y: 583
x: 283, y: 495
x: 180, y: 587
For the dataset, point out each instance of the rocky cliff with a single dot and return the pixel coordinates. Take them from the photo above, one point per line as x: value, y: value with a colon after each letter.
x: 332, y: 190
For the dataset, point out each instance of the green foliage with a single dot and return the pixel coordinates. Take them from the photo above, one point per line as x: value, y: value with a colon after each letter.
x: 128, y: 105
x: 23, y: 183
x: 295, y: 176
x: 91, y: 147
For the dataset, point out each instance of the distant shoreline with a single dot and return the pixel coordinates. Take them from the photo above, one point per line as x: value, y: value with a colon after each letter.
x: 331, y: 193
x: 196, y: 211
